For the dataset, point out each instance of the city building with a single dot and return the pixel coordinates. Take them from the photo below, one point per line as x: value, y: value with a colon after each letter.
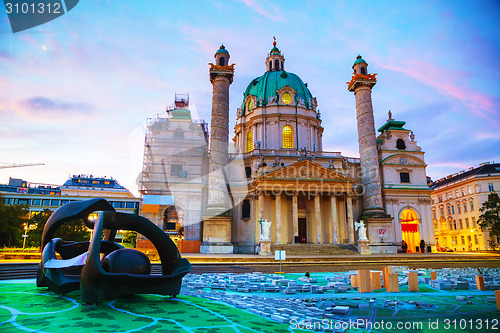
x: 173, y: 181
x: 456, y: 200
x: 276, y: 170
x: 39, y: 197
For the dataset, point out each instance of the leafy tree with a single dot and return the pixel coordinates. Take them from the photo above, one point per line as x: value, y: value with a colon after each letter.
x: 12, y: 218
x: 490, y: 218
x: 130, y: 237
x: 37, y: 223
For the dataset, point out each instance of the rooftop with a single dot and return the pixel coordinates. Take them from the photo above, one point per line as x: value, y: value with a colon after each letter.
x: 483, y: 169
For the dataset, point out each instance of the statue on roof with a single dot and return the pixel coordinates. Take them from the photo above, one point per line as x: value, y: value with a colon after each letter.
x: 390, y: 115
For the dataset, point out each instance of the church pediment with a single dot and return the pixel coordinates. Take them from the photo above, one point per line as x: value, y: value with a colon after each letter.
x: 306, y: 171
x: 403, y: 159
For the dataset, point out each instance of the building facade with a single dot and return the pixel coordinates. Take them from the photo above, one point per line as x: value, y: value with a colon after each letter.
x: 456, y: 200
x: 173, y: 184
x: 39, y: 197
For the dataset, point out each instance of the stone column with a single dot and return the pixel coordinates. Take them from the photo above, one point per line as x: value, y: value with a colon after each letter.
x: 334, y: 218
x: 218, y: 199
x: 217, y: 227
x: 350, y: 226
x: 295, y: 213
x: 279, y: 232
x: 261, y: 206
x: 317, y: 217
x: 361, y: 85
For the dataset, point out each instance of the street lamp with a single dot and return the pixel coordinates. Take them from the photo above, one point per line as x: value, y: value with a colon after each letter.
x: 25, y: 234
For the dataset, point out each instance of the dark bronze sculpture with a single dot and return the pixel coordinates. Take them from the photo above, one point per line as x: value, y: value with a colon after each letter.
x: 120, y: 271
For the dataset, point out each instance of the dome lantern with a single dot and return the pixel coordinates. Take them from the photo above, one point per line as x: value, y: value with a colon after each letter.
x: 275, y: 60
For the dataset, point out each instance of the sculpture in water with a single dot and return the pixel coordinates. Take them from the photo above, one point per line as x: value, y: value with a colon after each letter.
x: 102, y: 268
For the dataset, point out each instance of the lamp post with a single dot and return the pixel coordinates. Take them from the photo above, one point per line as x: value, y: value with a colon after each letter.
x: 25, y: 234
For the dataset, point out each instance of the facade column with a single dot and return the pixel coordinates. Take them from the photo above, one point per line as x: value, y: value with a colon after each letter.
x: 317, y: 217
x: 295, y: 213
x: 334, y: 219
x: 279, y: 232
x: 350, y: 224
x: 261, y: 206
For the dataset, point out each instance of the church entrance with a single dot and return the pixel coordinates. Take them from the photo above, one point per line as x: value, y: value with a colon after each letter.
x: 409, y: 230
x: 302, y: 230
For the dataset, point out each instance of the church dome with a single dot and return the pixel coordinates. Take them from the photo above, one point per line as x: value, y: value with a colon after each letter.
x: 270, y: 83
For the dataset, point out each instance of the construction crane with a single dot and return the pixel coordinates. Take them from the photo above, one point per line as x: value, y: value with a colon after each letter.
x: 17, y: 165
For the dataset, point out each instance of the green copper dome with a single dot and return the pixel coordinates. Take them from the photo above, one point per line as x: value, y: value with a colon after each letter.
x: 222, y: 49
x: 359, y: 60
x: 268, y: 84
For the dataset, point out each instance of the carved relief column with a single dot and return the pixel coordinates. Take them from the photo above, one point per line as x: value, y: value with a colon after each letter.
x: 350, y: 226
x: 295, y: 213
x: 278, y: 220
x: 317, y: 217
x: 334, y: 218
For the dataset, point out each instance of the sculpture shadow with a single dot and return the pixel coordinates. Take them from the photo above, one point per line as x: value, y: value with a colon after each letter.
x: 103, y: 269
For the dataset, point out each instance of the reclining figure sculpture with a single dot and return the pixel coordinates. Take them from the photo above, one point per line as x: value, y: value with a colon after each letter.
x: 101, y: 268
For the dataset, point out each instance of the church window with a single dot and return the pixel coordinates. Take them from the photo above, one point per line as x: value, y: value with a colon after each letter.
x: 221, y: 61
x: 400, y: 144
x: 441, y: 212
x: 248, y: 171
x: 434, y: 214
x: 473, y: 221
x: 460, y: 223
x: 490, y: 187
x: 459, y: 210
x: 475, y: 239
x: 288, y: 136
x: 466, y: 223
x: 363, y: 70
x: 245, y: 209
x: 250, y: 105
x: 270, y: 65
x: 454, y: 225
x: 465, y: 207
x: 286, y: 98
x: 277, y: 64
x: 448, y: 208
x: 249, y: 141
x: 471, y: 205
x: 405, y: 177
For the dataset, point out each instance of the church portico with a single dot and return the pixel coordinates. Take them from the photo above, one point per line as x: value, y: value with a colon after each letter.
x: 302, y: 203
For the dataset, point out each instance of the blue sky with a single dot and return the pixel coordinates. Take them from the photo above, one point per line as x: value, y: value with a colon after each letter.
x: 75, y: 92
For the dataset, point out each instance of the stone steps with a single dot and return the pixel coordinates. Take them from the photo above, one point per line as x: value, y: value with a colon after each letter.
x: 314, y: 249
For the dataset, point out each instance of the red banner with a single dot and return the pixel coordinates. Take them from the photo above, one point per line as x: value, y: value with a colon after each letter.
x: 409, y: 227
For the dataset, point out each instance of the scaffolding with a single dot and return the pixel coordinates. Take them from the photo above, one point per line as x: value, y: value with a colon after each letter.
x: 175, y: 165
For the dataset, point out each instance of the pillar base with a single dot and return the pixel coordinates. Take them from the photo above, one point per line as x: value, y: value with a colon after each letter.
x: 223, y: 248
x: 265, y: 248
x: 217, y: 235
x: 364, y: 247
x: 380, y: 241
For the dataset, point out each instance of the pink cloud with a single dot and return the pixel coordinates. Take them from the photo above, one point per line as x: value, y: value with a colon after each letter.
x: 448, y: 83
x: 273, y: 13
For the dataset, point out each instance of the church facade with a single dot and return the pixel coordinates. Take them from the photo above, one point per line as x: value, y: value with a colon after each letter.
x: 276, y: 171
x: 309, y: 195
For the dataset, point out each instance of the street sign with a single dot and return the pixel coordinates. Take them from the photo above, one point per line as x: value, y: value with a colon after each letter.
x: 279, y: 255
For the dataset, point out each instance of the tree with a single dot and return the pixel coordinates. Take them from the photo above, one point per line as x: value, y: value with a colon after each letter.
x: 37, y: 223
x: 12, y: 218
x: 490, y: 218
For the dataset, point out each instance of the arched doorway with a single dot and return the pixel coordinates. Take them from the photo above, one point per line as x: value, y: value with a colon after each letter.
x: 409, y: 229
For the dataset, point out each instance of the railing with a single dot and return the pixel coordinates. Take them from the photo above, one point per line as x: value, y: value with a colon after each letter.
x: 291, y: 153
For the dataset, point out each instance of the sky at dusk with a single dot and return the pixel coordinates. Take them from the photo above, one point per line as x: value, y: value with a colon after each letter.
x: 75, y: 93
